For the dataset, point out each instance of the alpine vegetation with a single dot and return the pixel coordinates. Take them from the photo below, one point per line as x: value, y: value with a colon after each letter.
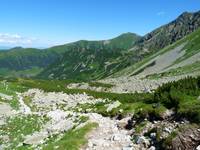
x: 130, y: 92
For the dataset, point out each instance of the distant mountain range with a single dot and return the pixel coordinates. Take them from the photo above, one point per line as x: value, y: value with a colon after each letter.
x: 87, y: 60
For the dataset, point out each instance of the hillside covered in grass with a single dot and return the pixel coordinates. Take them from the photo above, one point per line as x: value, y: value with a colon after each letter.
x: 20, y: 61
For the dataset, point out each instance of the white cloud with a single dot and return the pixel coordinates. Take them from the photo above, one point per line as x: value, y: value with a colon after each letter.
x: 161, y: 13
x: 6, y: 38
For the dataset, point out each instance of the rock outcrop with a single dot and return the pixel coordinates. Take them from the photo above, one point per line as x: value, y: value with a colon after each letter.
x: 188, y: 139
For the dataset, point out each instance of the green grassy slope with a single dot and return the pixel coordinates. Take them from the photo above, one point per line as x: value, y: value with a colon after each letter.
x: 23, y: 59
x: 92, y: 59
x: 85, y: 64
x: 19, y: 59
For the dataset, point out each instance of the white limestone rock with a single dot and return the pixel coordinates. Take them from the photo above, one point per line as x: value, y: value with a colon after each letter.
x: 113, y: 105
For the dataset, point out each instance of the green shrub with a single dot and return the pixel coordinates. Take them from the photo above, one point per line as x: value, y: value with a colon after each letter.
x: 99, y: 84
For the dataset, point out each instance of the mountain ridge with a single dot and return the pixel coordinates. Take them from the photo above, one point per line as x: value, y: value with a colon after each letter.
x: 99, y: 59
x: 19, y: 58
x: 150, y: 43
x: 167, y: 34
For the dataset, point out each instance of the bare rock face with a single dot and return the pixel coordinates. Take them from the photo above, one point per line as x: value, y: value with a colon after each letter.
x: 188, y: 139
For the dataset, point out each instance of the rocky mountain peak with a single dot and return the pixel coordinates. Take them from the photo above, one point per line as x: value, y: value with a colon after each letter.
x: 157, y: 39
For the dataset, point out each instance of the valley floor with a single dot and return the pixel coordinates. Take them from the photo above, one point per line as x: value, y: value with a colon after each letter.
x: 132, y: 84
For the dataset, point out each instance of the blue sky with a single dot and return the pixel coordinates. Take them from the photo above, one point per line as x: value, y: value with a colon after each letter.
x: 43, y: 23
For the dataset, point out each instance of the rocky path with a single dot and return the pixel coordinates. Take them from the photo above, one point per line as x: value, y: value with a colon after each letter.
x: 23, y: 107
x: 107, y: 136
